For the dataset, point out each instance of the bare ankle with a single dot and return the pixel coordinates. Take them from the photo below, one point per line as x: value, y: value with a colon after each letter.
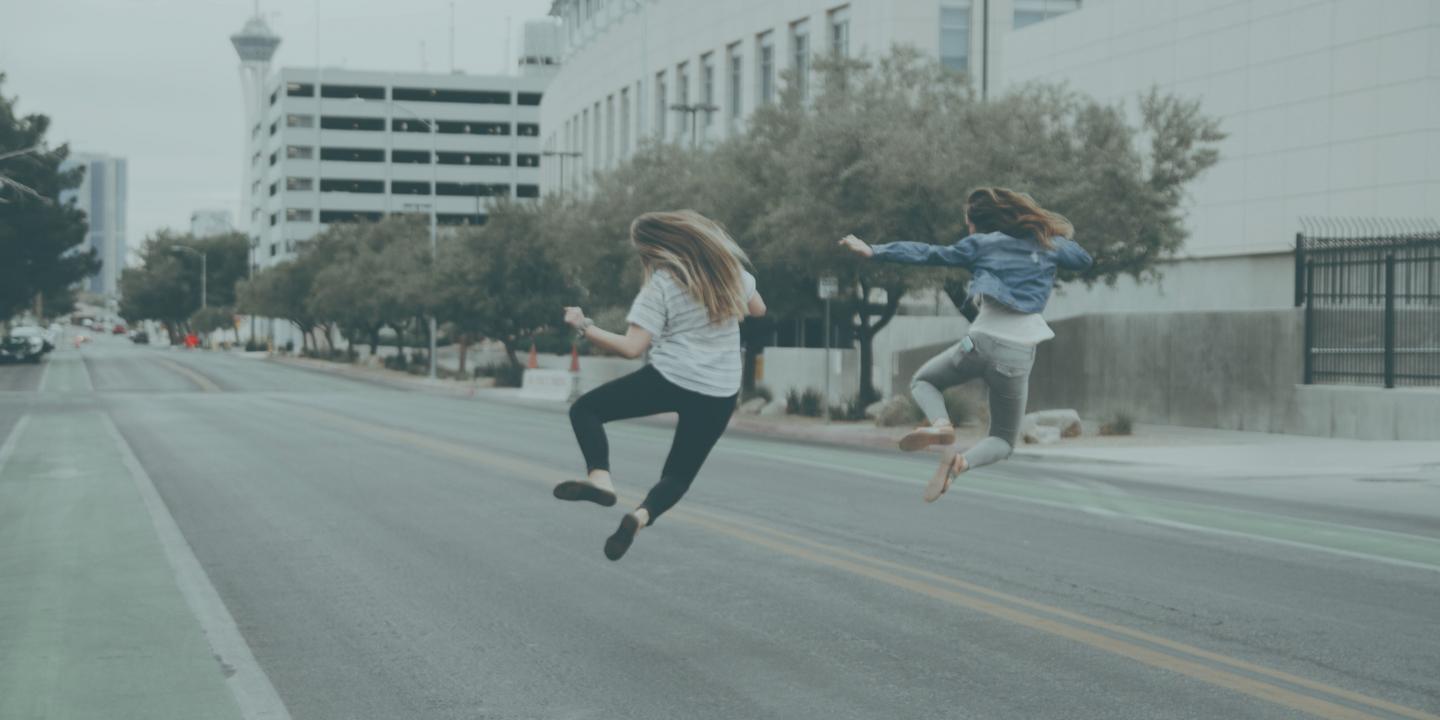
x: 642, y: 515
x: 600, y: 478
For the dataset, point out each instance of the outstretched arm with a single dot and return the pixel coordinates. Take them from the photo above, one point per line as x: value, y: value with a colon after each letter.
x: 632, y: 344
x: 1070, y: 256
x: 960, y: 254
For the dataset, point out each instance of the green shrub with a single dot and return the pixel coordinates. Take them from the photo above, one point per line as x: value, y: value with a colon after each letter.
x: 805, y: 403
x: 849, y: 410
x: 900, y: 411
x: 506, y: 374
x: 1119, y: 424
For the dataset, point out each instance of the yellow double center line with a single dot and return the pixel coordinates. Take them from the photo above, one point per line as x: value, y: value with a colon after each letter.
x: 1292, y: 691
x: 204, y: 383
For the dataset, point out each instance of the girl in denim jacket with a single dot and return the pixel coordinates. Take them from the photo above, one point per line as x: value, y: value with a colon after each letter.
x: 1012, y: 252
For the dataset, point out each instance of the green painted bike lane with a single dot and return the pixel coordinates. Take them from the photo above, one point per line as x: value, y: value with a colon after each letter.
x: 92, y: 621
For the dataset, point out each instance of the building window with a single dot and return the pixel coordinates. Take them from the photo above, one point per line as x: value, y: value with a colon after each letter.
x: 300, y: 121
x: 274, y: 218
x: 737, y: 82
x: 274, y: 127
x: 624, y: 122
x: 765, y: 68
x: 274, y: 96
x: 367, y: 124
x: 595, y: 136
x: 800, y: 56
x: 299, y: 215
x: 610, y: 130
x: 369, y: 187
x: 662, y: 105
x: 527, y: 160
x: 274, y: 156
x: 299, y: 152
x: 399, y: 187
x: 460, y: 219
x: 527, y: 129
x: 1029, y: 12
x: 840, y: 31
x: 526, y: 98
x: 470, y: 127
x: 409, y: 125
x: 273, y: 248
x: 682, y: 97
x: 346, y: 92
x: 297, y: 90
x: 349, y: 216
x: 341, y: 154
x: 527, y: 191
x: 416, y: 157
x: 955, y: 36
x: 474, y: 97
x: 461, y: 158
x: 299, y: 184
x: 472, y: 189
x: 274, y: 188
x: 707, y: 85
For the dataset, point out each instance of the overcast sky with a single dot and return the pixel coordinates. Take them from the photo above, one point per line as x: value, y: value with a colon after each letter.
x: 157, y: 82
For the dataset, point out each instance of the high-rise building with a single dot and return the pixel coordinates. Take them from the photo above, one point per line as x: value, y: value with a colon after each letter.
x: 209, y: 223
x: 330, y: 145
x: 102, y: 195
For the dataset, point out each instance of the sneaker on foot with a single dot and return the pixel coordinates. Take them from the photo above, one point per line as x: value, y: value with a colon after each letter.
x: 579, y: 490
x: 619, y: 542
x: 952, y: 464
x: 927, y: 435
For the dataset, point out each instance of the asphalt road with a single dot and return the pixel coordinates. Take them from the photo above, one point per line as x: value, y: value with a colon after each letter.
x: 390, y: 554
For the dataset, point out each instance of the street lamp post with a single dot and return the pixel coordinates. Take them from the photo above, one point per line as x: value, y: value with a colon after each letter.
x: 562, y: 154
x: 694, y: 112
x: 204, y: 298
x: 434, y: 199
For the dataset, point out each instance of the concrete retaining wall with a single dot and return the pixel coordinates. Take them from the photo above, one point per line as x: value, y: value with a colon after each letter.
x: 798, y: 369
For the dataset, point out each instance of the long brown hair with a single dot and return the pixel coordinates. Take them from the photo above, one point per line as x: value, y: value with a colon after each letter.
x: 995, y: 209
x: 698, y: 253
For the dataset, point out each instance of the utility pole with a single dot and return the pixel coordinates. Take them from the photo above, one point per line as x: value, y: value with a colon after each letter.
x: 693, y: 111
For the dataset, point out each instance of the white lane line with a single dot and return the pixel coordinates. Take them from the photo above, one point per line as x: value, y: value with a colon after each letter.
x: 8, y: 448
x: 45, y: 375
x: 253, y: 692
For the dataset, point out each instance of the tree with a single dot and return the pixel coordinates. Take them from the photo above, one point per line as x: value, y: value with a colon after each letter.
x: 39, y: 235
x: 502, y: 281
x: 166, y: 285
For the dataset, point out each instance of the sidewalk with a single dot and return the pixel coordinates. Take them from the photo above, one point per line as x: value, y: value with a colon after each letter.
x: 1195, y: 451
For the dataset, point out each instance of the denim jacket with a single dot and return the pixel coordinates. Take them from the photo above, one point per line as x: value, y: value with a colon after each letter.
x: 1017, y: 273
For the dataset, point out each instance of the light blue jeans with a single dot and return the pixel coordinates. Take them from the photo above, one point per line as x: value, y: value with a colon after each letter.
x: 1005, y: 368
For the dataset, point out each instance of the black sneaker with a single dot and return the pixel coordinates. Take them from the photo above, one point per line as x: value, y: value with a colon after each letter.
x: 618, y: 543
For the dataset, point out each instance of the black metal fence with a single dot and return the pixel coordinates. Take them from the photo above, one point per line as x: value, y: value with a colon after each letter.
x: 1371, y: 293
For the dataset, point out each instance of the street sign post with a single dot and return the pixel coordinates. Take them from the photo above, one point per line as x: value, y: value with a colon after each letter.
x: 829, y: 286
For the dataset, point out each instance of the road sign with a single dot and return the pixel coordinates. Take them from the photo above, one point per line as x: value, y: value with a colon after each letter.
x: 829, y: 287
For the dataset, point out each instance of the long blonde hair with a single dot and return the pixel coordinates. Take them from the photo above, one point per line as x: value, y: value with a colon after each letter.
x: 698, y: 254
x: 996, y: 209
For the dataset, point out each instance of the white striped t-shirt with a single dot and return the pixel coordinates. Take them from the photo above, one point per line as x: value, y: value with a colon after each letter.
x: 685, y: 346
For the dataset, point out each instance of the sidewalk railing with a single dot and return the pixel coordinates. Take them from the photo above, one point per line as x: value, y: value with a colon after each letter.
x: 1371, y: 293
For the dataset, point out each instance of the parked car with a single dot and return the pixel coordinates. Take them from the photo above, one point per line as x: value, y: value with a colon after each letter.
x: 119, y: 329
x: 22, y: 345
x: 139, y: 337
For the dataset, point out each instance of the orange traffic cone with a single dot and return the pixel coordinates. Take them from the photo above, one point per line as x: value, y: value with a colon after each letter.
x: 575, y: 357
x: 534, y: 361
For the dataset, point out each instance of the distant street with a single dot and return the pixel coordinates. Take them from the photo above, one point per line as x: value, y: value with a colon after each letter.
x: 389, y: 554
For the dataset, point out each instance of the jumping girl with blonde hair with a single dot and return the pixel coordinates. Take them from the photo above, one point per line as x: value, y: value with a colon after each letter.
x: 687, y: 316
x: 1013, y: 251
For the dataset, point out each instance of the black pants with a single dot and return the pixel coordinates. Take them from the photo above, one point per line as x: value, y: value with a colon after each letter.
x: 646, y: 392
